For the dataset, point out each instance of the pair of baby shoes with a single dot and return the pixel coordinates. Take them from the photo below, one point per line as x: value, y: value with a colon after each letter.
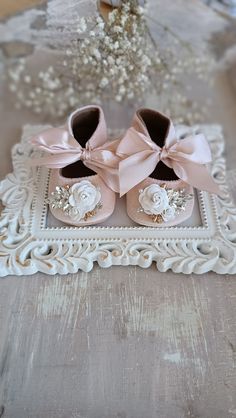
x: 151, y: 166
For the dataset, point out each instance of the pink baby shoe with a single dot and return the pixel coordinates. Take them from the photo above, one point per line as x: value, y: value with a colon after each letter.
x: 84, y: 175
x: 158, y: 171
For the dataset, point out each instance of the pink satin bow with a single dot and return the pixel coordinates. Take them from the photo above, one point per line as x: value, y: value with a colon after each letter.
x: 65, y: 150
x: 187, y: 157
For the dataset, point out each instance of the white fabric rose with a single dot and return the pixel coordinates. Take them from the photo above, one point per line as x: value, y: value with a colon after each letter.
x: 168, y: 214
x: 84, y: 197
x: 154, y: 200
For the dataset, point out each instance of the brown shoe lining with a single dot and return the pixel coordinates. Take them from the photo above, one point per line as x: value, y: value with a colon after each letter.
x: 157, y: 126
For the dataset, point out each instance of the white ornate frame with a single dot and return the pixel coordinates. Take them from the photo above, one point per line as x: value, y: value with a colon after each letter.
x: 28, y: 245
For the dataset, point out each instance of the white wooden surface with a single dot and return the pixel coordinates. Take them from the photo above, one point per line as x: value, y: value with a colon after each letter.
x: 122, y: 342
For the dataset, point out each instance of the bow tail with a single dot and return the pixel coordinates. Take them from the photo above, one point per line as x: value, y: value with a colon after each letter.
x: 105, y: 164
x: 108, y: 174
x: 55, y: 161
x: 197, y: 175
x: 136, y: 168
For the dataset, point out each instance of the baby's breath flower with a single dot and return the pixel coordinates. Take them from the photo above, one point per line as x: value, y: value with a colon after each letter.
x: 116, y: 60
x: 82, y: 26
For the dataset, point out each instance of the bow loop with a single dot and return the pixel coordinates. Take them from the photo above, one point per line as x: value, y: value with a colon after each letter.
x: 63, y: 149
x: 187, y: 157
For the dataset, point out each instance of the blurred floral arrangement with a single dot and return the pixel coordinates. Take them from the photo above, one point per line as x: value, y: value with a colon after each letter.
x: 112, y: 59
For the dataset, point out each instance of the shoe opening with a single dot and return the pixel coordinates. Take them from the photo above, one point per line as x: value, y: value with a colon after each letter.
x: 158, y: 127
x: 84, y: 124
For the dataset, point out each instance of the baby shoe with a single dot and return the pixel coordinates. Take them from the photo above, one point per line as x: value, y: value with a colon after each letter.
x: 158, y: 171
x: 84, y: 175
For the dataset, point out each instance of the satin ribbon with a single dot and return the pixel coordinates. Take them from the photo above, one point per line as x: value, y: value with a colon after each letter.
x: 187, y: 157
x: 65, y: 150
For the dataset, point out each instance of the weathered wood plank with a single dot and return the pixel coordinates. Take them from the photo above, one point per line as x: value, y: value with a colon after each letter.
x: 124, y: 343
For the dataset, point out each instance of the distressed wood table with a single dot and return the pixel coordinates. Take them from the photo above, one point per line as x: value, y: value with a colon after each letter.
x: 122, y: 342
